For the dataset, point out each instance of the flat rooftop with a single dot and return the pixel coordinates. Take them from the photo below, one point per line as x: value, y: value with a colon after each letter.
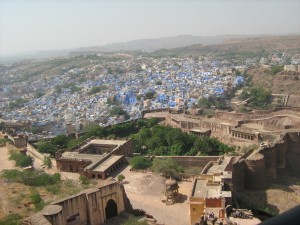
x: 107, y: 142
x: 215, y: 168
x: 199, y: 130
x: 205, y: 189
x: 107, y: 163
x: 76, y: 155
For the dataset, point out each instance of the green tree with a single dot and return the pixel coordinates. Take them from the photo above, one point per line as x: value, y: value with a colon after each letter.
x: 258, y: 97
x: 140, y: 162
x: 166, y: 167
x: 60, y: 141
x: 205, y: 103
x: 97, y: 89
x: 150, y: 95
x: 121, y: 177
x: 39, y: 94
x: 117, y: 110
x: 47, y: 147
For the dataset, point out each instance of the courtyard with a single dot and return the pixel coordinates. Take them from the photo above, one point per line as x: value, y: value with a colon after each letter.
x: 145, y: 191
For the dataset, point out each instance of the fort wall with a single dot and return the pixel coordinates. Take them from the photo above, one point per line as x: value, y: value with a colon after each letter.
x: 92, y: 207
x: 192, y: 161
x: 257, y: 169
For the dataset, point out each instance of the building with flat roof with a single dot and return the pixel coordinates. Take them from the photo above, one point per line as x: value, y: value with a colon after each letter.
x: 96, y: 158
x: 209, y: 197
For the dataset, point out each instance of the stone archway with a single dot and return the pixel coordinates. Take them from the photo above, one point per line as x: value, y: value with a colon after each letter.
x: 111, y: 209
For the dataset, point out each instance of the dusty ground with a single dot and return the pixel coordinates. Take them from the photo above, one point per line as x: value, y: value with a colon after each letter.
x: 282, y: 195
x: 5, y: 164
x: 145, y: 191
x: 15, y: 197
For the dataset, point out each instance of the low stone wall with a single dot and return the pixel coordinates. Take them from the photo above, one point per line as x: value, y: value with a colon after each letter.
x: 192, y: 161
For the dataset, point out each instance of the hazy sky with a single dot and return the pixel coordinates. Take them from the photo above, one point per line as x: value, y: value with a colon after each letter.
x: 31, y: 25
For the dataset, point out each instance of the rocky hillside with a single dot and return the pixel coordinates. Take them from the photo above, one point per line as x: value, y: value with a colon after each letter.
x: 244, y: 46
x: 281, y: 83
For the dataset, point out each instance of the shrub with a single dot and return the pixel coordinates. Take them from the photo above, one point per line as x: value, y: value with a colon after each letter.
x: 11, y: 219
x: 166, y: 167
x: 38, y: 202
x: 276, y: 69
x: 84, y: 180
x: 140, y: 162
x: 121, y: 177
x: 31, y: 178
x: 35, y: 197
x: 47, y: 162
x: 54, y: 189
x: 12, y: 175
x: 47, y: 147
x: 20, y: 159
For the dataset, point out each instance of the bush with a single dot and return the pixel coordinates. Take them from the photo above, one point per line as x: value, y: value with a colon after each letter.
x: 38, y: 202
x: 54, y: 189
x: 166, y: 167
x: 121, y: 177
x: 276, y: 69
x: 11, y: 219
x: 97, y: 89
x: 12, y: 175
x: 47, y: 162
x: 47, y: 147
x: 31, y: 178
x: 35, y: 197
x: 140, y: 162
x: 20, y: 159
x: 84, y: 180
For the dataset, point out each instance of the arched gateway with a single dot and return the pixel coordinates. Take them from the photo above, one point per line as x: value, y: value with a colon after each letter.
x: 111, y: 209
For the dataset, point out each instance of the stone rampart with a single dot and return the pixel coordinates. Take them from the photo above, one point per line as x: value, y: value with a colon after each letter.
x: 192, y: 161
x: 93, y: 207
x: 257, y: 169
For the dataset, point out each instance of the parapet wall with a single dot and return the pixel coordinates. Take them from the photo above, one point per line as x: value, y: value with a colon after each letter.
x: 192, y: 161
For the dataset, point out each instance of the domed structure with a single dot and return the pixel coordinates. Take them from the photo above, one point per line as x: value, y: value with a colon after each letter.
x: 171, y: 190
x: 170, y: 182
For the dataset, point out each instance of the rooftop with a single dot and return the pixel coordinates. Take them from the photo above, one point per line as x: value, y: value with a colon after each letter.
x: 204, y: 188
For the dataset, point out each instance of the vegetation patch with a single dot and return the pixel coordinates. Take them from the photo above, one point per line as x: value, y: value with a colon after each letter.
x: 140, y: 163
x: 162, y: 140
x: 20, y: 159
x: 31, y: 178
x: 166, y: 167
x: 257, y: 97
x: 11, y: 219
x: 122, y: 130
x: 97, y: 89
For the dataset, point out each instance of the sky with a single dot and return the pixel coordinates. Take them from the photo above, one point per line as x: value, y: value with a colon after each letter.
x: 37, y: 25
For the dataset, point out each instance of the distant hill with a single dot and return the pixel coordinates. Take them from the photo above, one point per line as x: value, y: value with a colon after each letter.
x: 238, y: 45
x: 158, y: 43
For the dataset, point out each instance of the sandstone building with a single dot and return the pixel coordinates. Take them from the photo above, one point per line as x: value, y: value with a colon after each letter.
x: 96, y: 158
x: 92, y: 207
